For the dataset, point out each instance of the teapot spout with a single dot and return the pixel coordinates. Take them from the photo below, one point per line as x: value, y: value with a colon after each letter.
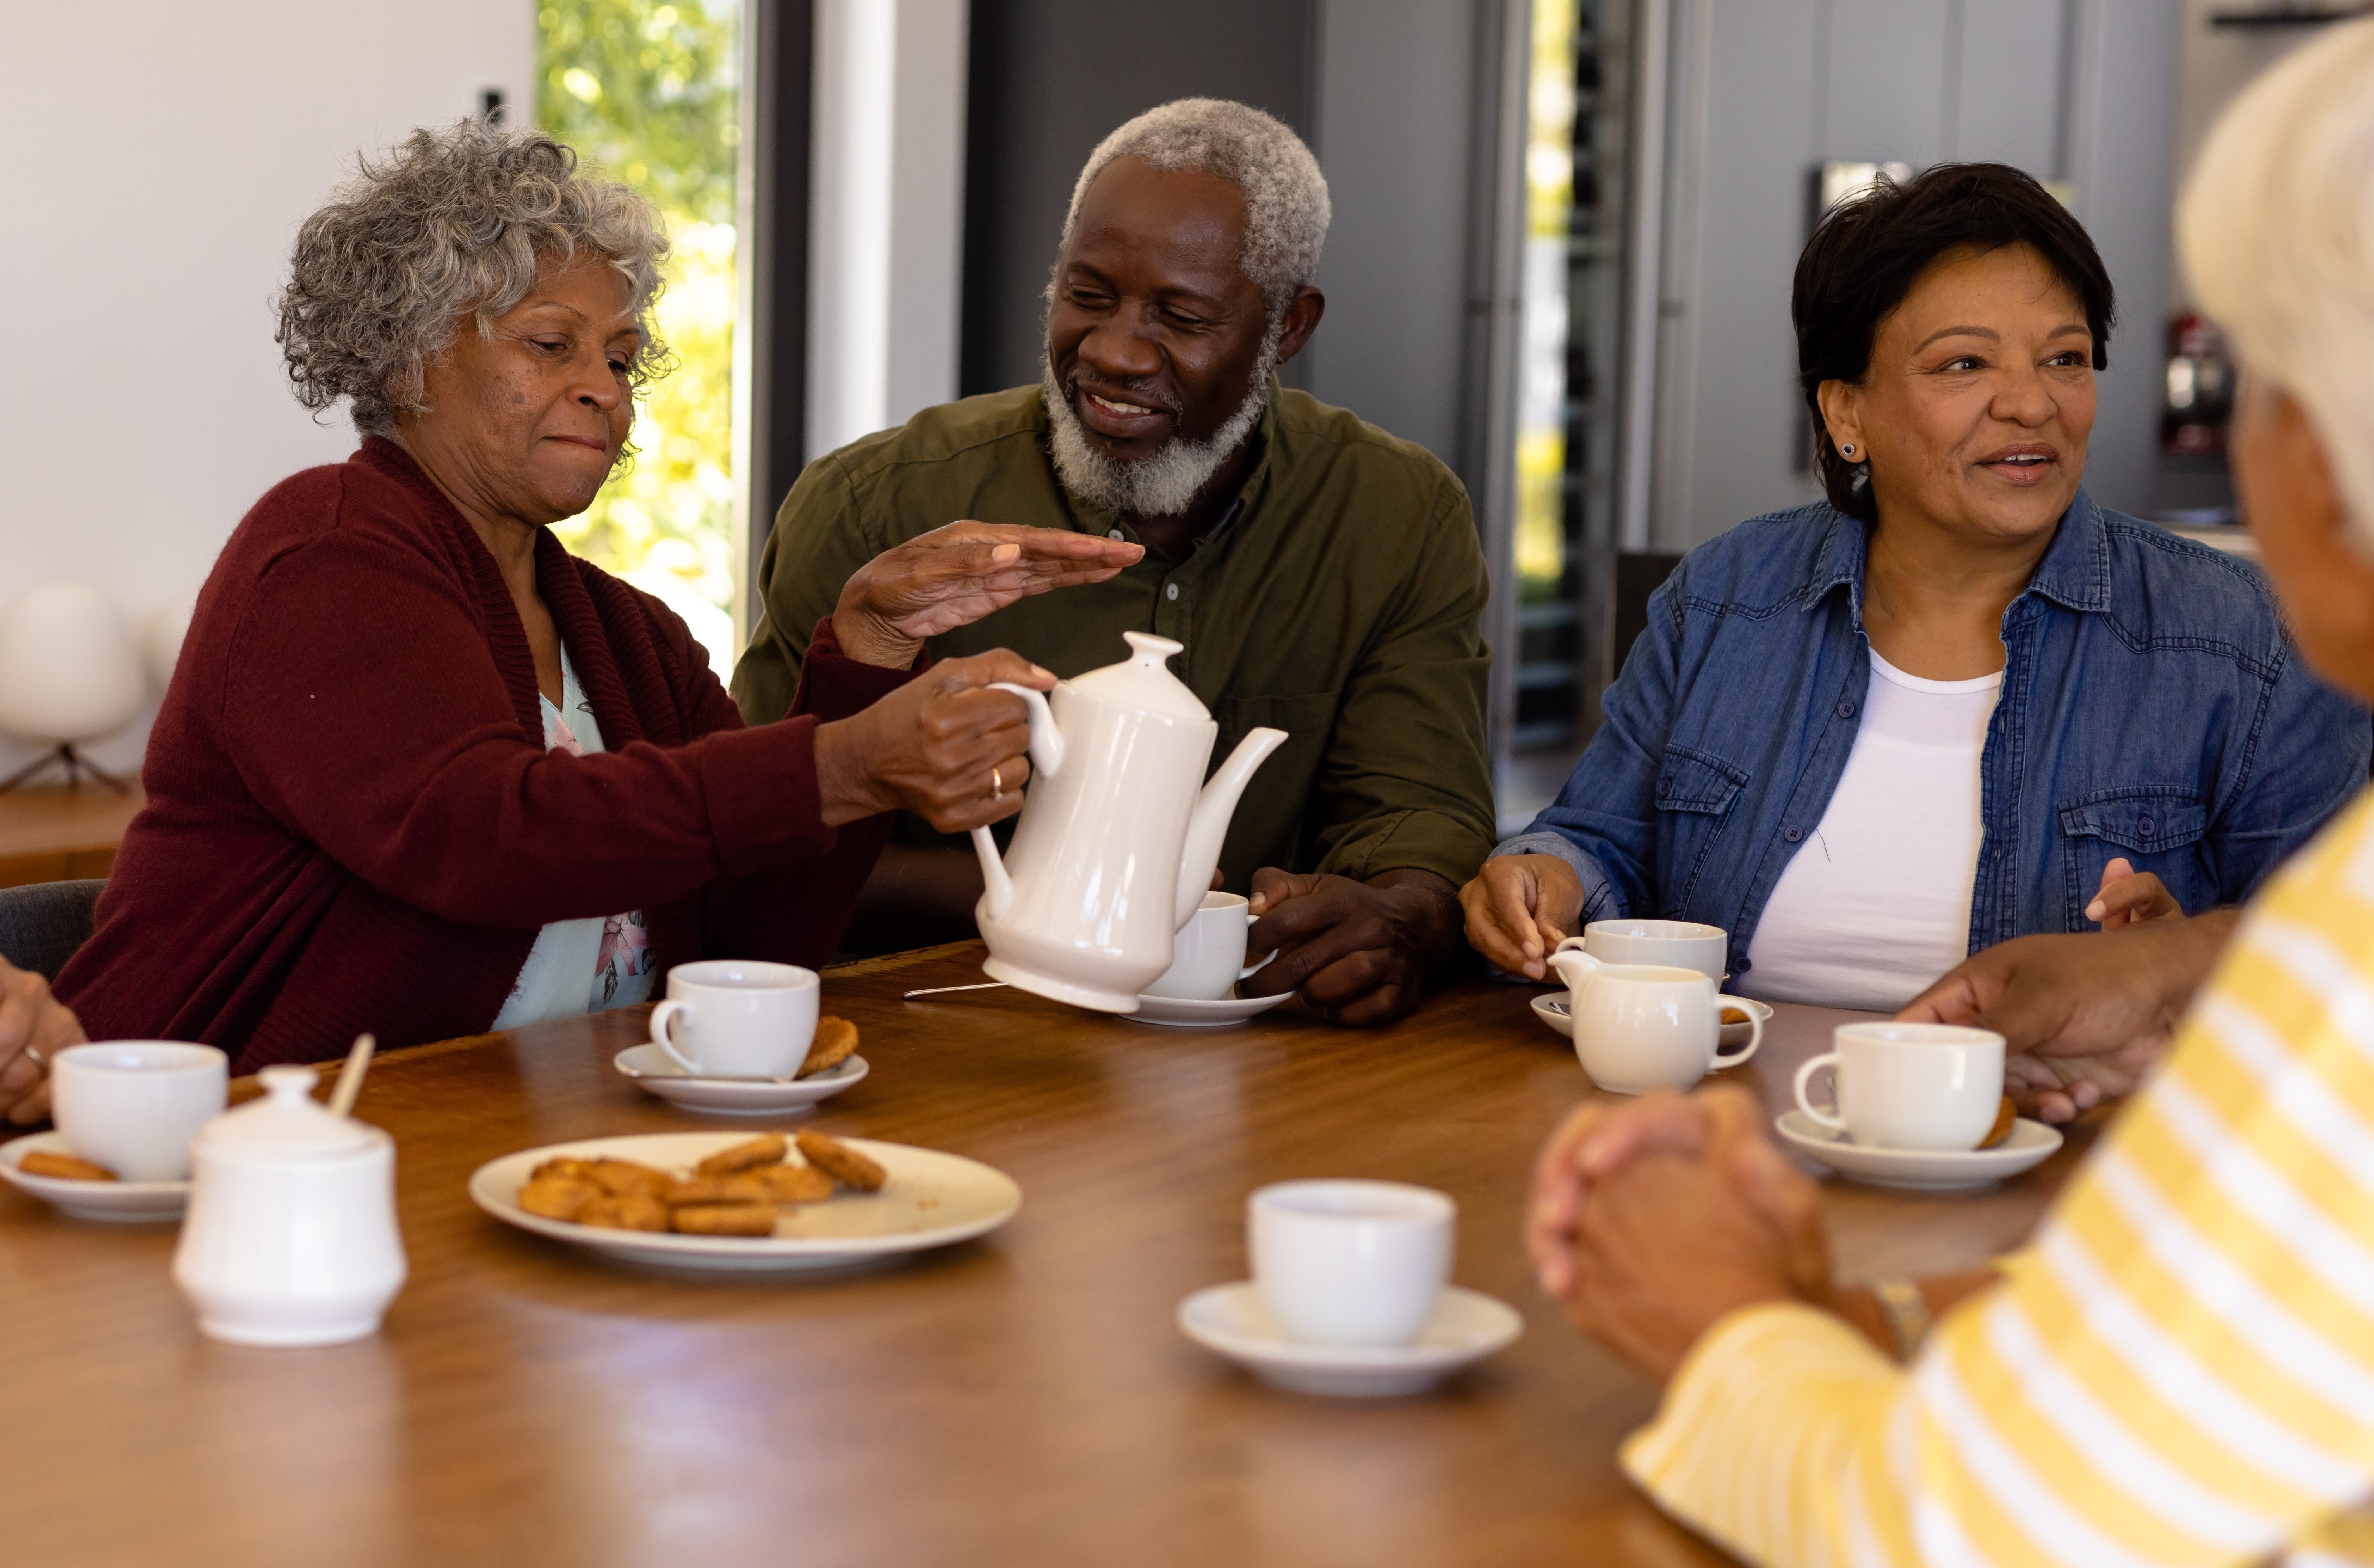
x: 997, y: 892
x: 1214, y: 807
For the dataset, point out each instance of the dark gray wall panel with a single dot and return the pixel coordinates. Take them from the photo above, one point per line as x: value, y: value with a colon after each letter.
x: 1050, y: 79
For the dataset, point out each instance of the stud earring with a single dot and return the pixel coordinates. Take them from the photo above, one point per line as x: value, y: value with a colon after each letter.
x: 1847, y: 450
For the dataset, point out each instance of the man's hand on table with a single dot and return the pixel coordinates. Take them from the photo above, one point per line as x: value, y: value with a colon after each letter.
x: 953, y: 576
x: 1356, y: 950
x: 2084, y: 1016
x: 34, y: 1028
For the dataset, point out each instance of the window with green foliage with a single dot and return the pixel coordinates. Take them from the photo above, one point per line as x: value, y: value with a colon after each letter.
x: 648, y: 93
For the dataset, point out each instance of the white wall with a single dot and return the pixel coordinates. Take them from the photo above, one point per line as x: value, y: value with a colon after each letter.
x: 1395, y: 123
x: 887, y: 213
x: 160, y: 157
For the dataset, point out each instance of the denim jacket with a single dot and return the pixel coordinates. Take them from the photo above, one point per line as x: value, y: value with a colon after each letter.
x: 2152, y: 707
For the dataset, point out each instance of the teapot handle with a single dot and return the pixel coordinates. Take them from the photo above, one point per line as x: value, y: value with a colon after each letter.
x: 1046, y: 741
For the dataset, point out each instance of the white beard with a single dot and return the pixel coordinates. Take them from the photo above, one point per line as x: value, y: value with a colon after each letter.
x: 1166, y: 483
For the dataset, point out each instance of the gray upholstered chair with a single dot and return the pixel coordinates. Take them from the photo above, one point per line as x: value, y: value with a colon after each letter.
x: 41, y: 925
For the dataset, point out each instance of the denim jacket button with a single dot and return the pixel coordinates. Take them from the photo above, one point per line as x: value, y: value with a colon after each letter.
x: 1793, y: 833
x: 1846, y: 710
x: 1664, y: 786
x: 2145, y: 826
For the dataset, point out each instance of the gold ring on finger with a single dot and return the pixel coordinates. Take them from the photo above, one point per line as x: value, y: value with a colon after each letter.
x: 996, y: 784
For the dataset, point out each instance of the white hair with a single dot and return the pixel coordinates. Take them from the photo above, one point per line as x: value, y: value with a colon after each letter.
x: 1285, y: 196
x: 2276, y: 228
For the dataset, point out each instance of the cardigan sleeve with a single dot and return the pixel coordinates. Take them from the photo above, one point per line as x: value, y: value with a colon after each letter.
x: 795, y: 913
x: 364, y: 712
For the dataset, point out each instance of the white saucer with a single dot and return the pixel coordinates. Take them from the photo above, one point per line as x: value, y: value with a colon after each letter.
x: 1551, y: 1009
x: 655, y: 1071
x: 1467, y: 1327
x: 121, y: 1202
x: 1183, y: 1013
x: 1922, y: 1170
x: 930, y: 1199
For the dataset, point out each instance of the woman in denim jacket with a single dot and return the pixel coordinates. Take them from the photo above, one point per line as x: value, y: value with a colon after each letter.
x: 1958, y: 702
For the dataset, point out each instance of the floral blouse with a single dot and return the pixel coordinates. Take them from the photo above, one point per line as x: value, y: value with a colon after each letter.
x: 583, y: 965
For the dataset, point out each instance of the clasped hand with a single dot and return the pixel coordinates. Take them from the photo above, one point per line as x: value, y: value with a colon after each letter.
x: 1652, y: 1219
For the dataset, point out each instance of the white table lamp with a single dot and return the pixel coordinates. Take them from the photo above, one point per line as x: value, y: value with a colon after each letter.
x: 69, y: 673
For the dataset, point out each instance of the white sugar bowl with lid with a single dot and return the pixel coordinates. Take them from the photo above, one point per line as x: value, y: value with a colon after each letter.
x: 291, y: 1236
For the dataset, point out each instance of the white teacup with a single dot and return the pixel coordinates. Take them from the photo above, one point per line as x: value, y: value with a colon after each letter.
x: 1208, y: 956
x: 1643, y: 1026
x: 737, y: 1018
x: 1910, y: 1086
x: 133, y: 1105
x: 1350, y: 1262
x: 1677, y: 944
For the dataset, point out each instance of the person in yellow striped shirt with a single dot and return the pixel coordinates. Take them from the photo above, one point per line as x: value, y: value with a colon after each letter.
x: 2178, y: 1369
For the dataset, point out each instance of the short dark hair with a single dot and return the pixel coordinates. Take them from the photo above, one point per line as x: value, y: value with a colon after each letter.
x: 1868, y: 253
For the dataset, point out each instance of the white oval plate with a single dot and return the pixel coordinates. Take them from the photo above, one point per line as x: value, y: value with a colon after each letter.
x: 1922, y: 1170
x: 653, y: 1070
x: 1467, y: 1325
x: 121, y: 1202
x: 1187, y: 1012
x: 932, y: 1200
x: 1550, y: 1007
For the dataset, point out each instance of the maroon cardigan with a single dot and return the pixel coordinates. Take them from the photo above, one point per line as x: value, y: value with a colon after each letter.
x: 353, y: 823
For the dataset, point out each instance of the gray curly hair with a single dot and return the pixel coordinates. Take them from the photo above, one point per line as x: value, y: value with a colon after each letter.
x: 1286, y: 210
x: 453, y: 222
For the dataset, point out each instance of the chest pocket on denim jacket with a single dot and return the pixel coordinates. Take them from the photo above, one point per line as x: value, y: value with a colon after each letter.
x: 1694, y: 794
x: 2157, y: 828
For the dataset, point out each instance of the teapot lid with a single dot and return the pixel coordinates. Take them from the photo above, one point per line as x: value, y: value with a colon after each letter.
x: 287, y: 1120
x: 1144, y: 679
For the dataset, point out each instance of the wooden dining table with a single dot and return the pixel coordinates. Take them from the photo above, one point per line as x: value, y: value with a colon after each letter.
x: 1025, y: 1398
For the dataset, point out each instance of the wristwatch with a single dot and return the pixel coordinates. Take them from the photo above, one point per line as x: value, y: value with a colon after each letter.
x: 1907, y: 1311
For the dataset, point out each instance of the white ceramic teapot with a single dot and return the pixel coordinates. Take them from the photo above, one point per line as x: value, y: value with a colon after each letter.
x: 291, y: 1236
x: 1114, y: 849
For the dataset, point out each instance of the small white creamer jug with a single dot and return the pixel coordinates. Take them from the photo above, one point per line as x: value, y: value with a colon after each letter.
x: 1644, y: 1026
x: 291, y: 1236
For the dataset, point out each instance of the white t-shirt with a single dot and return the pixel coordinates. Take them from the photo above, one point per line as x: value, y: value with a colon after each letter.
x: 583, y: 965
x: 1875, y: 904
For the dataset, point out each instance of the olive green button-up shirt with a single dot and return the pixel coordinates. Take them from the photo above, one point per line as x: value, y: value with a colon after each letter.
x: 1339, y: 600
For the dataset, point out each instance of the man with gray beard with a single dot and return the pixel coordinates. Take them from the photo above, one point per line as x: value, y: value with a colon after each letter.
x: 1324, y: 577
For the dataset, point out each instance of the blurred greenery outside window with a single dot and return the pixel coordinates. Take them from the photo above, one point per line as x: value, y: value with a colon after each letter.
x: 647, y: 93
x: 1541, y: 393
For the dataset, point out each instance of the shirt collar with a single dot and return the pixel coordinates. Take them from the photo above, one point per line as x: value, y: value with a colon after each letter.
x: 2074, y: 572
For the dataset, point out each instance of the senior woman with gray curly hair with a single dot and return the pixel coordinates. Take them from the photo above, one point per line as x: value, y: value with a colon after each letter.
x: 423, y: 773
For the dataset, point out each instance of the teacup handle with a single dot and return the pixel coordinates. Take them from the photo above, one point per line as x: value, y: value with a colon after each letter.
x: 1251, y: 969
x: 1806, y: 1076
x: 662, y: 1017
x: 1754, y: 1033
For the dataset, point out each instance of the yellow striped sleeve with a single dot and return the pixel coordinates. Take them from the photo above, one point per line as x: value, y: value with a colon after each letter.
x: 2179, y: 1370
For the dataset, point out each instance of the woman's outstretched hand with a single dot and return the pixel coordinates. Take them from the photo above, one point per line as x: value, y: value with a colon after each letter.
x: 953, y: 576
x: 1519, y: 908
x: 942, y: 746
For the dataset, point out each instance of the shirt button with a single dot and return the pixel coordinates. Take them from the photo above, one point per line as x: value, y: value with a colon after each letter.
x: 1171, y: 592
x: 1846, y: 710
x: 2146, y: 826
x: 1113, y: 534
x: 1793, y: 833
x: 1664, y: 786
x: 1740, y: 965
